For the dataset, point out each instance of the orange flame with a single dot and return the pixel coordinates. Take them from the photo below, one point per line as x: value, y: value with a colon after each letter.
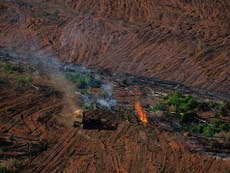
x: 140, y: 112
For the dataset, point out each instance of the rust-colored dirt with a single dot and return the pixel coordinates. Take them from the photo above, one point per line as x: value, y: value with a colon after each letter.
x: 28, y: 116
x: 183, y: 41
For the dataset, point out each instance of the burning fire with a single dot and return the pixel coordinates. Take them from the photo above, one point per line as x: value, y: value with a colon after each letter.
x: 141, y: 113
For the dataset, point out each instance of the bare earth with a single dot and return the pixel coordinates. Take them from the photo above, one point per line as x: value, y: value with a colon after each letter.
x: 177, y: 40
x: 131, y: 147
x: 183, y: 41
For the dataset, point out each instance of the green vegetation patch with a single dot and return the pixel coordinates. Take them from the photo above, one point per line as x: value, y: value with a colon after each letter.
x: 206, y: 105
x: 22, y: 75
x: 210, y: 129
x: 186, y: 109
x: 23, y: 79
x: 181, y: 102
x: 82, y: 80
x: 6, y: 67
x: 156, y: 107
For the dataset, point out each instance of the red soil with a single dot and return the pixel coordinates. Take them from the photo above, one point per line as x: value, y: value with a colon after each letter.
x: 183, y: 41
x: 178, y: 40
x: 28, y: 115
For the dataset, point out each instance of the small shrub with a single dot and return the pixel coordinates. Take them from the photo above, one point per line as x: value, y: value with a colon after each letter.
x: 187, y: 103
x: 181, y: 102
x: 223, y: 108
x: 206, y: 106
x: 23, y: 79
x: 156, y: 107
x: 211, y: 104
x: 88, y: 78
x: 210, y: 129
x: 6, y: 67
x: 81, y: 81
x: 173, y: 98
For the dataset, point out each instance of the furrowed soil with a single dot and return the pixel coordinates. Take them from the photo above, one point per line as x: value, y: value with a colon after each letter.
x: 33, y: 133
x: 181, y: 41
x: 178, y: 40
